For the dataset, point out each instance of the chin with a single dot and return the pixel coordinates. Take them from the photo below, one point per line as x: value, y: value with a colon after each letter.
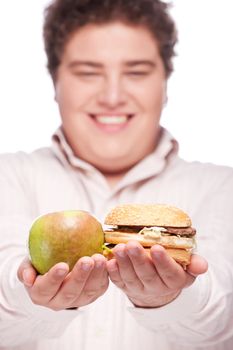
x: 112, y: 167
x: 113, y: 157
x: 111, y: 163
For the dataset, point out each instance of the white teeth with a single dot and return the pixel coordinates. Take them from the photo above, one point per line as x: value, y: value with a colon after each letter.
x: 111, y: 119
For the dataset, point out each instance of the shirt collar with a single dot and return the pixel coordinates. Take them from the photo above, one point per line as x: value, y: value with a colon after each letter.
x: 65, y: 153
x: 151, y: 165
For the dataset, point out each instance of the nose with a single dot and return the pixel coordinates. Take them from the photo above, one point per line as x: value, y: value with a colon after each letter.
x: 112, y: 93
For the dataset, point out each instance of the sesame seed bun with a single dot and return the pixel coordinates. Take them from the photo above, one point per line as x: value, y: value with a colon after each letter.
x: 147, y: 215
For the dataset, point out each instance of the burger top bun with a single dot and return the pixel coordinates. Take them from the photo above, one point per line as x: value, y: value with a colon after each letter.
x: 147, y: 215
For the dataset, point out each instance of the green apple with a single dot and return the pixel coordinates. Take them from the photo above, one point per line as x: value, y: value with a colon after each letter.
x: 64, y: 236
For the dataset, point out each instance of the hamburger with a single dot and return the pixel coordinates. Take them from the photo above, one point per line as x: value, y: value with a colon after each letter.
x: 151, y: 224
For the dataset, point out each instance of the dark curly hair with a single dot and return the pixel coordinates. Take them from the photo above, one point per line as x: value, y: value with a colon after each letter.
x: 63, y: 17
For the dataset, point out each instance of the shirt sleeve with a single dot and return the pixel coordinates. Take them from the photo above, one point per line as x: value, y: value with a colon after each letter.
x: 202, y: 314
x: 17, y: 312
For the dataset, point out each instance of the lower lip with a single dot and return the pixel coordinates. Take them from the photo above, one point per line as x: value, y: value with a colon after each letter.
x: 111, y: 128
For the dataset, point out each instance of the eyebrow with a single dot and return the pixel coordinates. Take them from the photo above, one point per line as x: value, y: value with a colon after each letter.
x: 135, y: 63
x: 77, y: 63
x: 129, y: 64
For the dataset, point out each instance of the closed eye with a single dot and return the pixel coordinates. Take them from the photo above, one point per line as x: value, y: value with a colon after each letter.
x: 137, y: 73
x: 87, y: 74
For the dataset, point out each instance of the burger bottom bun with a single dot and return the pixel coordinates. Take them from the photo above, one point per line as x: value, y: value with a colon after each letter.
x: 181, y: 256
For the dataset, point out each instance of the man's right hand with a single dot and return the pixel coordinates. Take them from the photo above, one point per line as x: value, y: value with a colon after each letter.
x: 60, y: 289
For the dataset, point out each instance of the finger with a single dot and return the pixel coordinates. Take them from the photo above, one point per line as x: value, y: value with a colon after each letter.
x: 170, y: 272
x: 96, y: 284
x: 142, y: 264
x: 126, y: 269
x: 114, y: 273
x: 47, y: 285
x: 197, y: 266
x: 26, y: 273
x: 98, y: 279
x: 73, y: 285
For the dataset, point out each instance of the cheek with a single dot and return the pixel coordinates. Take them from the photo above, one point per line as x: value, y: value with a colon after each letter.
x: 71, y: 94
x: 63, y: 93
x: 153, y: 101
x: 151, y: 95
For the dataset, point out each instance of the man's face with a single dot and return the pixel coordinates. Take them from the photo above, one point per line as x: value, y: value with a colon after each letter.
x: 110, y: 88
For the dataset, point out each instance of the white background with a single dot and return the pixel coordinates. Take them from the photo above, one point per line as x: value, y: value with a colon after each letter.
x: 199, y: 112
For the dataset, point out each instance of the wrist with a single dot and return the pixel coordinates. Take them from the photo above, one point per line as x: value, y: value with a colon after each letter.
x: 155, y: 302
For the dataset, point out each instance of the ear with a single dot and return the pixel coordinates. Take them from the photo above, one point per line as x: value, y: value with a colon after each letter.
x: 165, y: 98
x: 56, y: 91
x: 55, y: 88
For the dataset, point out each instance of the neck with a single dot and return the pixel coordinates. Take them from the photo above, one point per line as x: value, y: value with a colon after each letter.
x: 114, y: 179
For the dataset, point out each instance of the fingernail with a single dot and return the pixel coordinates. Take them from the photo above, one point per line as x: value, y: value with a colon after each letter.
x: 156, y: 254
x: 99, y: 264
x: 86, y: 266
x: 120, y: 253
x: 134, y: 251
x: 27, y: 278
x: 60, y: 272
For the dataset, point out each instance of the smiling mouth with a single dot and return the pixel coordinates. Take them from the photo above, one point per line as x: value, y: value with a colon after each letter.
x: 116, y: 121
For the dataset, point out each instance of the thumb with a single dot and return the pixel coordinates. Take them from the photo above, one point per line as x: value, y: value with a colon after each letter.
x: 26, y: 273
x: 197, y: 266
